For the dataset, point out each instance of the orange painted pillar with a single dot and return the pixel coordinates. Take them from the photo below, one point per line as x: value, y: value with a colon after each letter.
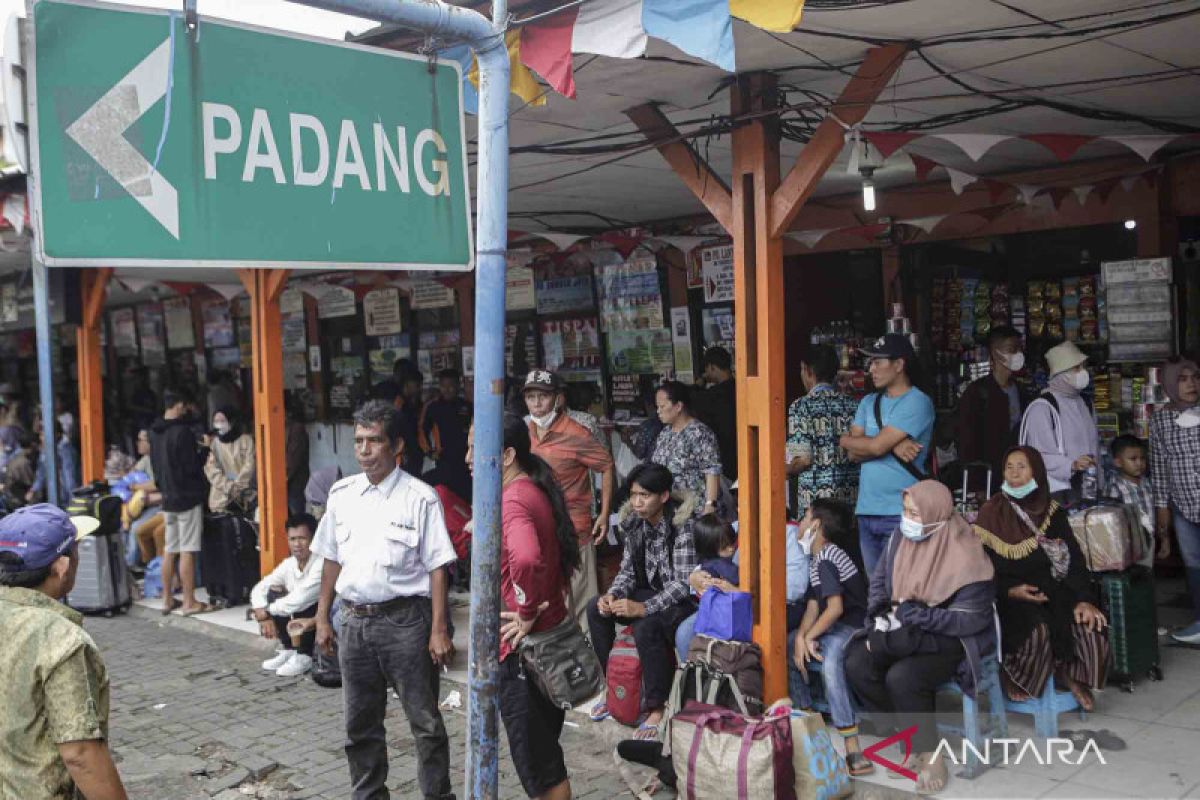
x: 88, y: 358
x: 761, y: 388
x: 264, y: 287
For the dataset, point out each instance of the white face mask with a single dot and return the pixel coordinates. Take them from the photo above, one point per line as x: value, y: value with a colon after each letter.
x: 1188, y: 419
x: 546, y: 421
x: 806, y: 541
x: 1081, y: 379
x: 1014, y: 361
x: 221, y: 427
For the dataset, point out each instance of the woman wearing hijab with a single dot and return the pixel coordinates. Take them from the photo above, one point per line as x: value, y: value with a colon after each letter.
x: 1175, y: 460
x: 230, y: 468
x: 1048, y: 615
x: 1059, y: 424
x: 929, y: 621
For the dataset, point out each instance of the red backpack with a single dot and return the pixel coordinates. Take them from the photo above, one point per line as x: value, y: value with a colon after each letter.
x: 624, y: 677
x: 457, y: 513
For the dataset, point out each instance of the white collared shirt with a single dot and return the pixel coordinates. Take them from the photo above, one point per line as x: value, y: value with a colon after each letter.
x: 387, y: 538
x: 303, y: 587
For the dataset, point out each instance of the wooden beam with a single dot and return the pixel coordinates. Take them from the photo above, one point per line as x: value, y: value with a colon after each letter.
x: 265, y: 285
x: 759, y: 370
x: 827, y: 141
x: 693, y: 170
x: 89, y: 357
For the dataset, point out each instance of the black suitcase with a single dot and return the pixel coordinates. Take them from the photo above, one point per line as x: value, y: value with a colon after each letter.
x: 229, y: 563
x: 1128, y: 600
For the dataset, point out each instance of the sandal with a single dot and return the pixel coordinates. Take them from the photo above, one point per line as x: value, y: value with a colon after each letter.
x: 166, y: 611
x: 202, y: 608
x: 646, y: 733
x: 858, y: 765
x: 599, y: 712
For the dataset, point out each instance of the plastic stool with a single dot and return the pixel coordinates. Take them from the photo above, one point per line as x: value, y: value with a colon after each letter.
x: 994, y: 723
x: 1045, y: 709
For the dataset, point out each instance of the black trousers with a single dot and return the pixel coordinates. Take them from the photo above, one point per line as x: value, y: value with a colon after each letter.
x: 533, y: 725
x: 655, y: 638
x: 308, y: 640
x: 900, y: 690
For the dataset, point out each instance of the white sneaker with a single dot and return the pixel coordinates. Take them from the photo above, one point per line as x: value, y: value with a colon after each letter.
x: 297, y: 665
x: 281, y: 657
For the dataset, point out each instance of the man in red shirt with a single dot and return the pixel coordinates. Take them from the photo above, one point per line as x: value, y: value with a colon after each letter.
x: 573, y: 454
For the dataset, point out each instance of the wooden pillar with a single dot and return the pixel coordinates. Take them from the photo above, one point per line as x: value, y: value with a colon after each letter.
x: 89, y: 357
x: 264, y: 287
x: 759, y: 354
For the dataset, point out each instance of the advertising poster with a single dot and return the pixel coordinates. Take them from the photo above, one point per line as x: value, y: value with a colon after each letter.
x: 519, y: 292
x: 150, y: 331
x: 295, y: 371
x: 381, y: 312
x: 335, y: 301
x: 520, y: 349
x: 295, y: 334
x: 643, y: 352
x: 177, y: 316
x: 218, y: 327
x: 716, y: 268
x: 226, y: 357
x: 681, y: 336
x: 564, y: 295
x: 717, y: 326
x: 124, y: 331
x: 431, y: 294
x: 381, y: 361
x: 624, y: 389
x: 291, y: 301
x: 631, y: 295
x: 571, y: 344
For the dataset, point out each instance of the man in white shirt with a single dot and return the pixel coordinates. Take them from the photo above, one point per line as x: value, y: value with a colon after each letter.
x: 290, y: 593
x: 386, y: 549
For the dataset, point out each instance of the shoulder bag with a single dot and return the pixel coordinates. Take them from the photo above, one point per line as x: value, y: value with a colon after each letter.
x: 909, y: 467
x: 562, y: 663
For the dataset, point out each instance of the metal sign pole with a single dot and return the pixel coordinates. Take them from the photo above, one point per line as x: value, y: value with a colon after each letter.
x: 41, y: 315
x: 486, y: 38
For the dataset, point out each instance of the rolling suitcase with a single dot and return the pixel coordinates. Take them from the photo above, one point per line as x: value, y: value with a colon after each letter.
x: 1128, y: 600
x: 102, y: 580
x: 229, y: 559
x: 967, y: 499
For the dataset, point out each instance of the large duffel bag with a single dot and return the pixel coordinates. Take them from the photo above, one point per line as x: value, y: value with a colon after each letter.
x: 719, y: 754
x: 229, y: 562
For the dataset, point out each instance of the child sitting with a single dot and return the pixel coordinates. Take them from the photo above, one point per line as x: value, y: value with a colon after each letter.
x: 835, y: 609
x: 1128, y: 484
x: 716, y: 565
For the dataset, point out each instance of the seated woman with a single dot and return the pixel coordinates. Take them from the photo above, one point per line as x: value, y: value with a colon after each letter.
x: 929, y: 620
x: 1048, y: 615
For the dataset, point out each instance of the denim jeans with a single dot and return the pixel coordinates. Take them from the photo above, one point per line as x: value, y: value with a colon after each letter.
x: 833, y: 675
x: 873, y: 535
x: 392, y: 648
x: 683, y: 636
x: 1187, y: 534
x: 131, y: 543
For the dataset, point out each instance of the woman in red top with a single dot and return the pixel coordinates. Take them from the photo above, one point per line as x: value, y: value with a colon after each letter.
x: 538, y: 553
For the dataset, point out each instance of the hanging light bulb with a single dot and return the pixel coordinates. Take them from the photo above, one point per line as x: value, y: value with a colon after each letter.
x: 868, y: 189
x: 1130, y: 224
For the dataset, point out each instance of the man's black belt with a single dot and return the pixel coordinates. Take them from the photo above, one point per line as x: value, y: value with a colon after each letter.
x: 376, y: 609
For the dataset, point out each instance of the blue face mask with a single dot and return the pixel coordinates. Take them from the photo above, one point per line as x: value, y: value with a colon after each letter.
x: 913, y: 530
x: 1020, y: 492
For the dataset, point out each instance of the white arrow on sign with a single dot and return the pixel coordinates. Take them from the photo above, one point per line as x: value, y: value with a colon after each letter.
x: 100, y: 131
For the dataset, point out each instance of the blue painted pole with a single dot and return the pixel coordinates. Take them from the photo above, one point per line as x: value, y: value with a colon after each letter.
x: 41, y: 322
x: 486, y: 38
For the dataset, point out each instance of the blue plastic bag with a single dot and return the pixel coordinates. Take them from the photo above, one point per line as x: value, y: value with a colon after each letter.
x: 152, y: 584
x: 725, y: 615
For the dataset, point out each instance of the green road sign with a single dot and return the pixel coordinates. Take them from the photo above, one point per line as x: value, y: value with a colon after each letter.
x: 239, y: 147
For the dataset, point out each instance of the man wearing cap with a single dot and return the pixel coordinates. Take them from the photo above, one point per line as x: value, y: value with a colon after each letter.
x: 890, y: 438
x: 1059, y: 424
x: 54, y: 692
x: 573, y: 454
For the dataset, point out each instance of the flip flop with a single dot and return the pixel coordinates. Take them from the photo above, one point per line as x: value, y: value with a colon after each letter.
x: 203, y: 608
x: 599, y: 712
x: 166, y: 612
x: 646, y: 733
x: 858, y: 765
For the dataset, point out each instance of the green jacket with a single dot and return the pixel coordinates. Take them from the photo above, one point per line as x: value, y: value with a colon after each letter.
x: 54, y: 690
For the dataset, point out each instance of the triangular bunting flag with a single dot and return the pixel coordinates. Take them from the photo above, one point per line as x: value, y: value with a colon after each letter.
x: 15, y: 211
x: 135, y: 285
x: 686, y: 244
x: 546, y: 49
x: 561, y: 240
x: 700, y: 28
x: 866, y: 232
x: 466, y: 59
x: 781, y: 16
x: 1063, y: 145
x: 1145, y: 145
x: 989, y: 213
x: 923, y: 165
x: 996, y: 189
x: 960, y: 180
x: 227, y: 290
x: 610, y: 28
x: 926, y: 224
x: 810, y: 239
x: 1057, y: 195
x: 623, y: 244
x: 1105, y: 188
x: 521, y: 81
x: 888, y: 142
x: 1028, y: 192
x: 975, y: 145
x: 1082, y: 192
x: 1129, y: 181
